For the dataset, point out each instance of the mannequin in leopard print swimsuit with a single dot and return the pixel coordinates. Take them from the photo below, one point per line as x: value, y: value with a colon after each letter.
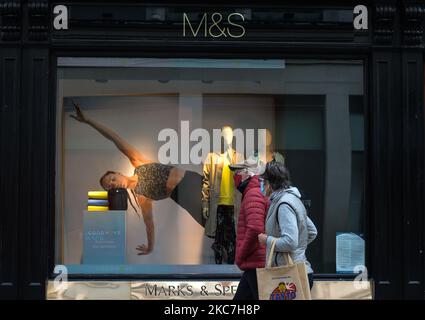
x: 151, y: 181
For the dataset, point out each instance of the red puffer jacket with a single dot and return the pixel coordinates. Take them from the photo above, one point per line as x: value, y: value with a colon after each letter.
x: 250, y: 254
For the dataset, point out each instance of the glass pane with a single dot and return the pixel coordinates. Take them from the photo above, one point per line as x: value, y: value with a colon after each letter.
x: 150, y: 120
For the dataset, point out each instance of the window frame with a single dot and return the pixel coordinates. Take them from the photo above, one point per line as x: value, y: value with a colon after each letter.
x: 200, y: 53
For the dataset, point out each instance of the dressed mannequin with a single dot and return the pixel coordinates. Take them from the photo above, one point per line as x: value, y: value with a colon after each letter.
x: 220, y: 200
x: 272, y: 155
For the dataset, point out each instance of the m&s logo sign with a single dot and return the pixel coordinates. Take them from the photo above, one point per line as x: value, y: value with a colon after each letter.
x: 211, y: 26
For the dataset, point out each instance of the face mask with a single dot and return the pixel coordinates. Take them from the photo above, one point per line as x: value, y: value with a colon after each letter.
x: 263, y: 188
x: 237, y: 179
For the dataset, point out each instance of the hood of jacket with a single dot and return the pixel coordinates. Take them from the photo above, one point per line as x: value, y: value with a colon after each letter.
x: 280, y: 192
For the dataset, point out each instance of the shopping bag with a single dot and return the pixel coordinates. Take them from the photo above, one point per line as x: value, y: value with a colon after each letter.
x: 302, y: 272
x: 288, y: 282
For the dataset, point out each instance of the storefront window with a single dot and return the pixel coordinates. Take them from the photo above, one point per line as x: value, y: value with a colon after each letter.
x: 145, y: 119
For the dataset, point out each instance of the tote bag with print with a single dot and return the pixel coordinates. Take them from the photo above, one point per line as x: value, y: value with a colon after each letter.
x: 288, y: 282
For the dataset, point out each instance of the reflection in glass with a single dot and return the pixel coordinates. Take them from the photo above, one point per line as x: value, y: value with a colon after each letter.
x: 313, y: 115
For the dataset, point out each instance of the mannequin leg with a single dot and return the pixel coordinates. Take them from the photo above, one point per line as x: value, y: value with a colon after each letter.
x: 220, y: 233
x: 230, y: 234
x: 187, y: 194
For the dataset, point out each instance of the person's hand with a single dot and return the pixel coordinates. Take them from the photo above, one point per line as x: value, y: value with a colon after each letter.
x: 206, y: 213
x: 79, y: 116
x: 262, y: 238
x: 143, y: 249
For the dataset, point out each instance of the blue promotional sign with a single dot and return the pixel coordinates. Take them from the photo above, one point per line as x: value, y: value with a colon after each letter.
x: 104, y: 237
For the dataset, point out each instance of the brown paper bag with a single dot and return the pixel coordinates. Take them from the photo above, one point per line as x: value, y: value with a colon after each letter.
x: 288, y: 282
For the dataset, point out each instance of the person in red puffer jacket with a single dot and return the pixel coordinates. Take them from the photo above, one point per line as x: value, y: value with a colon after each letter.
x: 250, y: 254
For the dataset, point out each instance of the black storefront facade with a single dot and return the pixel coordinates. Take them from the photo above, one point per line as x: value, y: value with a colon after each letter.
x: 391, y: 50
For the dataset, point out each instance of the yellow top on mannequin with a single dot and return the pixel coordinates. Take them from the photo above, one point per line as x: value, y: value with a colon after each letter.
x: 226, y: 185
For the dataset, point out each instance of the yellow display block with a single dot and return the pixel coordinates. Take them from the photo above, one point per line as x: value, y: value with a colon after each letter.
x: 97, y: 208
x: 98, y: 195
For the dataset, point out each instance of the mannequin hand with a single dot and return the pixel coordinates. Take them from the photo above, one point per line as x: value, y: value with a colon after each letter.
x: 262, y: 238
x: 79, y: 114
x: 143, y: 249
x: 206, y: 213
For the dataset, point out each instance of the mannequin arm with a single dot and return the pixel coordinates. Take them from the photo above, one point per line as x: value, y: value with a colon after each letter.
x: 146, y: 205
x: 135, y: 157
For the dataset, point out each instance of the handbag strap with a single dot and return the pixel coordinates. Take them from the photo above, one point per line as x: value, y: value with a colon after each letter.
x: 288, y: 256
x: 289, y: 259
x: 270, y: 258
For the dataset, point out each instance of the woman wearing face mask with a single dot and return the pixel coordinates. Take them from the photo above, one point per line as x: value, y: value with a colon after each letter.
x: 287, y: 222
x: 249, y: 253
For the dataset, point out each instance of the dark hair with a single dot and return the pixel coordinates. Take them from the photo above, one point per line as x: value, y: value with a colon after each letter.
x: 277, y: 175
x: 129, y: 197
x: 102, y: 177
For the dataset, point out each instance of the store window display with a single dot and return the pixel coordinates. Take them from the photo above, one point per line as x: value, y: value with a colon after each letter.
x: 220, y: 200
x: 184, y: 213
x: 151, y: 181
